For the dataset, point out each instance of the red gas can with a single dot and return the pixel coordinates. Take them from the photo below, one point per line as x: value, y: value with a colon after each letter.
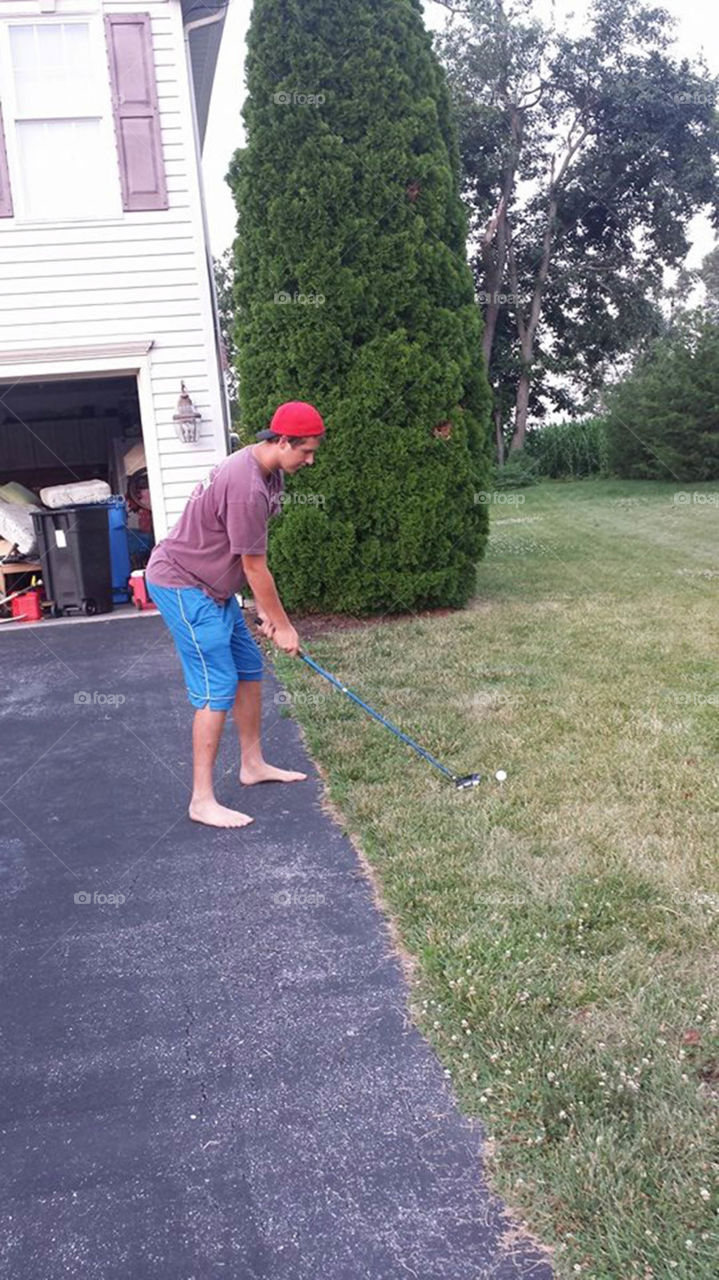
x: 27, y: 605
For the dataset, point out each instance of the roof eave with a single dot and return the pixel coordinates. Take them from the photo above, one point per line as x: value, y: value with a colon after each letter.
x: 204, y: 43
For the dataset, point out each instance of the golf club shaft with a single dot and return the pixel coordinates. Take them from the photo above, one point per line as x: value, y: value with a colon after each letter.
x: 387, y: 724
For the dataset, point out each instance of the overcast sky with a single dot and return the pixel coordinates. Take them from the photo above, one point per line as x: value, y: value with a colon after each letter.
x: 697, y: 30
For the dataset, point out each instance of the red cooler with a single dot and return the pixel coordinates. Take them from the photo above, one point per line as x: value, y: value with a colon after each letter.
x: 138, y: 590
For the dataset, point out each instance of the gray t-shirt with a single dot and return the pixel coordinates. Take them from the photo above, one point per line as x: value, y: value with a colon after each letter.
x: 225, y: 518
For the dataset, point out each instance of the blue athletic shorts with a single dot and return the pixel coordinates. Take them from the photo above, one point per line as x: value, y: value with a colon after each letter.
x: 213, y: 641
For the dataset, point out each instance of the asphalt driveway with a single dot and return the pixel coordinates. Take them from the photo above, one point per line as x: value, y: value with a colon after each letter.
x: 208, y: 1068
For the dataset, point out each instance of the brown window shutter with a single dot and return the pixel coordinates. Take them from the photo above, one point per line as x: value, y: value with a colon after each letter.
x: 136, y: 111
x: 5, y: 192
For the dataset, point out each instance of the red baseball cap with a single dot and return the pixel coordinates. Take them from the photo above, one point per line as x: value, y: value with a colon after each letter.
x: 294, y: 418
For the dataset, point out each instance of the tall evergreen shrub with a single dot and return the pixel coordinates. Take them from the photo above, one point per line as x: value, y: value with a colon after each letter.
x: 353, y: 292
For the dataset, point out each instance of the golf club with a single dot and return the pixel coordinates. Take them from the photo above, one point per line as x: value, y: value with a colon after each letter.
x: 470, y: 780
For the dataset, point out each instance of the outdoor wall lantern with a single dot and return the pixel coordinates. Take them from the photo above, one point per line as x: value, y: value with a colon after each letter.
x: 187, y: 419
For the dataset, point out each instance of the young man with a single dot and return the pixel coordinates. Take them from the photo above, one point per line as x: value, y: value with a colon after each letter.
x: 217, y: 547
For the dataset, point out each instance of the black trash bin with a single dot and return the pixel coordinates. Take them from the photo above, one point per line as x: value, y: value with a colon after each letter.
x: 74, y: 546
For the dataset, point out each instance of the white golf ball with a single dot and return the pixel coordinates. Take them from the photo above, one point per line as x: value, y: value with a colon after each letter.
x: 500, y: 775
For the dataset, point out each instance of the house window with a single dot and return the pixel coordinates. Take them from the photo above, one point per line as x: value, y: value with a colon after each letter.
x: 58, y: 113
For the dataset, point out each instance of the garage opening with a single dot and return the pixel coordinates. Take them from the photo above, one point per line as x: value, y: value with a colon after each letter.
x: 56, y: 435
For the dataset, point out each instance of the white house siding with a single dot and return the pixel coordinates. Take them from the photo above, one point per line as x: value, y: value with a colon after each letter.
x: 140, y: 277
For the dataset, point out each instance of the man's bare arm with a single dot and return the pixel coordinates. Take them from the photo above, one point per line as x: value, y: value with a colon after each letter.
x: 270, y: 607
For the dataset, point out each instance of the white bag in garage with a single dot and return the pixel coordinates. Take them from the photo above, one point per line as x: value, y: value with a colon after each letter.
x: 75, y: 494
x: 16, y: 525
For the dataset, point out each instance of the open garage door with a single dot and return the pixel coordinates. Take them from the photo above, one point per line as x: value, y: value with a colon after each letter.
x: 74, y: 429
x: 63, y: 431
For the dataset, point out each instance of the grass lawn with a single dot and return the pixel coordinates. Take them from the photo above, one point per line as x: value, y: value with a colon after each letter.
x: 561, y: 926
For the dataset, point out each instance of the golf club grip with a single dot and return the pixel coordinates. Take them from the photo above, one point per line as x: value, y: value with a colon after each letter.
x: 376, y: 715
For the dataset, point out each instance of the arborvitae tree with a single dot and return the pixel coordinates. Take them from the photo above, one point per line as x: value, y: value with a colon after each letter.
x: 663, y: 421
x: 352, y: 291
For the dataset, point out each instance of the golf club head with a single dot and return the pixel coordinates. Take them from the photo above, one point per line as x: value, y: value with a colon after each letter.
x: 471, y: 780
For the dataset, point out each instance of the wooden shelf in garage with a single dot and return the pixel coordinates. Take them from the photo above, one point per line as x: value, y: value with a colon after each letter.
x: 15, y: 568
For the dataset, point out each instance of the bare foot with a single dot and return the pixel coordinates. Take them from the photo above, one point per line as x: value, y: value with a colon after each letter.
x: 214, y: 814
x: 268, y: 773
